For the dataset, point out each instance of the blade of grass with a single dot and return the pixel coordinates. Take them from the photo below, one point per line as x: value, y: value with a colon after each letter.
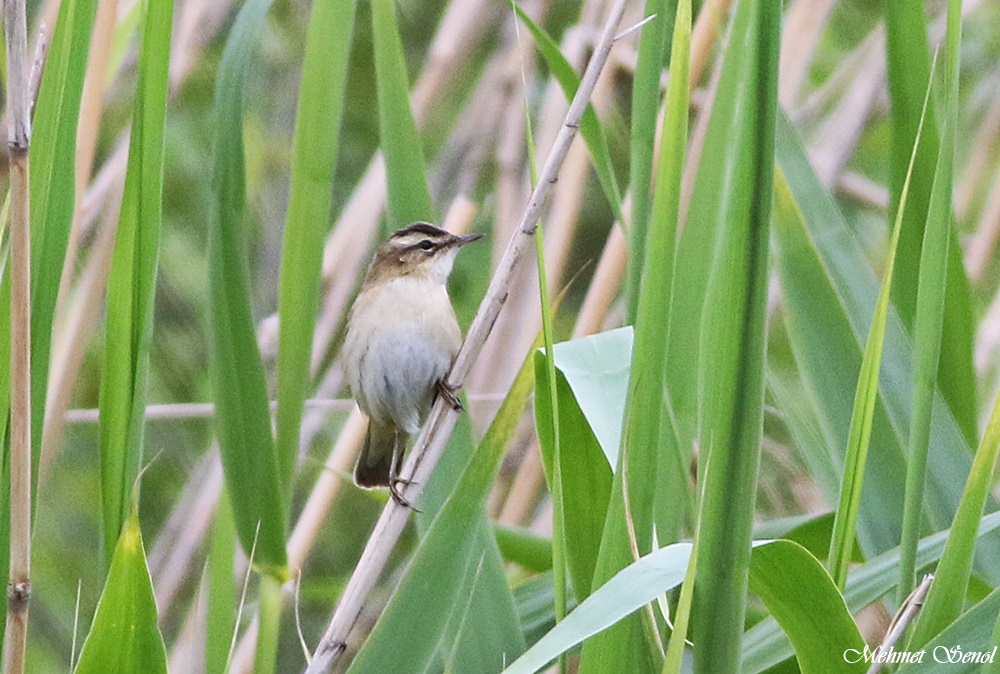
x: 132, y: 280
x: 733, y: 332
x: 242, y: 414
x: 314, y: 158
x: 53, y: 187
x: 125, y: 637
x: 947, y: 596
x: 549, y: 395
x: 406, y: 175
x: 653, y: 49
x: 909, y: 76
x: 929, y: 317
x: 859, y: 436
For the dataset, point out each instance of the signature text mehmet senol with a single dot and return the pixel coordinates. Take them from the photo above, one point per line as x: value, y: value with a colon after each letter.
x: 942, y: 654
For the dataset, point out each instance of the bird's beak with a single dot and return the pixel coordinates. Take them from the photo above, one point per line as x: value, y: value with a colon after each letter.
x: 469, y: 238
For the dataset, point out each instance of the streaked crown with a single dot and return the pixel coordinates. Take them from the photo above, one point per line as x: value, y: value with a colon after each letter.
x: 420, y: 248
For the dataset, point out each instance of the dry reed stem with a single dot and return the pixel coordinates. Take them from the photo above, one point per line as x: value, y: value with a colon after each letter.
x: 18, y: 140
x: 436, y: 431
x: 805, y: 21
x: 863, y: 190
x: 705, y: 33
x: 515, y: 330
x: 91, y: 108
x: 837, y: 138
x: 982, y: 246
x: 191, y: 526
x: 983, y: 147
x: 512, y: 184
x: 83, y: 313
x: 987, y: 336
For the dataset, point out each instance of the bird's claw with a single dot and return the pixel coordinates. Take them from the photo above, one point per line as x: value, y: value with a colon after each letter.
x: 450, y: 395
x: 400, y: 500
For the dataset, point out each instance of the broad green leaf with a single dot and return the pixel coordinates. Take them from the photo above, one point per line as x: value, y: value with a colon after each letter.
x: 803, y: 598
x: 909, y: 75
x: 829, y: 293
x: 662, y: 570
x: 732, y: 335
x: 596, y: 371
x: 590, y: 125
x: 53, y: 188
x: 314, y: 158
x: 483, y: 631
x: 765, y: 645
x: 534, y: 602
x: 406, y: 175
x: 132, y: 280
x: 242, y: 413
x: 646, y: 443
x: 971, y: 633
x: 927, y: 324
x: 450, y: 556
x: 653, y: 47
x: 124, y: 637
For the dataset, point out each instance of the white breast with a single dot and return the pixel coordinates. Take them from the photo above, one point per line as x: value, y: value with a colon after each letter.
x: 401, y: 339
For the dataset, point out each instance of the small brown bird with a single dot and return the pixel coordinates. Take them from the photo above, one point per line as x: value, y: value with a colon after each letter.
x: 402, y: 337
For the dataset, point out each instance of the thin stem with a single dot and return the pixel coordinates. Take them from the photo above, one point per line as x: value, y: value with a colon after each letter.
x: 19, y: 587
x: 437, y: 430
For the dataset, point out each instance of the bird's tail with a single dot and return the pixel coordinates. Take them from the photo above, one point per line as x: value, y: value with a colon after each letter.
x: 375, y: 461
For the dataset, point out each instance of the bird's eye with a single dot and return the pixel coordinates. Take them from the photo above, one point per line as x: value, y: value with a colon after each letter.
x: 426, y: 244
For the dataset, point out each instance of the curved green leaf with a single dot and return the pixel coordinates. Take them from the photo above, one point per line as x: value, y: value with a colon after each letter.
x: 53, y: 187
x: 314, y: 158
x: 124, y: 637
x: 772, y: 564
x: 242, y: 412
x: 406, y: 174
x: 132, y: 280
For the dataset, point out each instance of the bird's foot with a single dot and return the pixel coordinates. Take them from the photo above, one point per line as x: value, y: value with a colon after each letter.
x: 394, y: 483
x: 450, y: 395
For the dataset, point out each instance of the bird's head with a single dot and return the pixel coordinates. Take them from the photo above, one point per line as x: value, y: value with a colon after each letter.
x: 419, y: 249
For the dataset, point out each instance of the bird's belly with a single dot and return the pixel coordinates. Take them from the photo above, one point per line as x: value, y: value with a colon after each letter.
x: 396, y: 376
x: 402, y: 345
